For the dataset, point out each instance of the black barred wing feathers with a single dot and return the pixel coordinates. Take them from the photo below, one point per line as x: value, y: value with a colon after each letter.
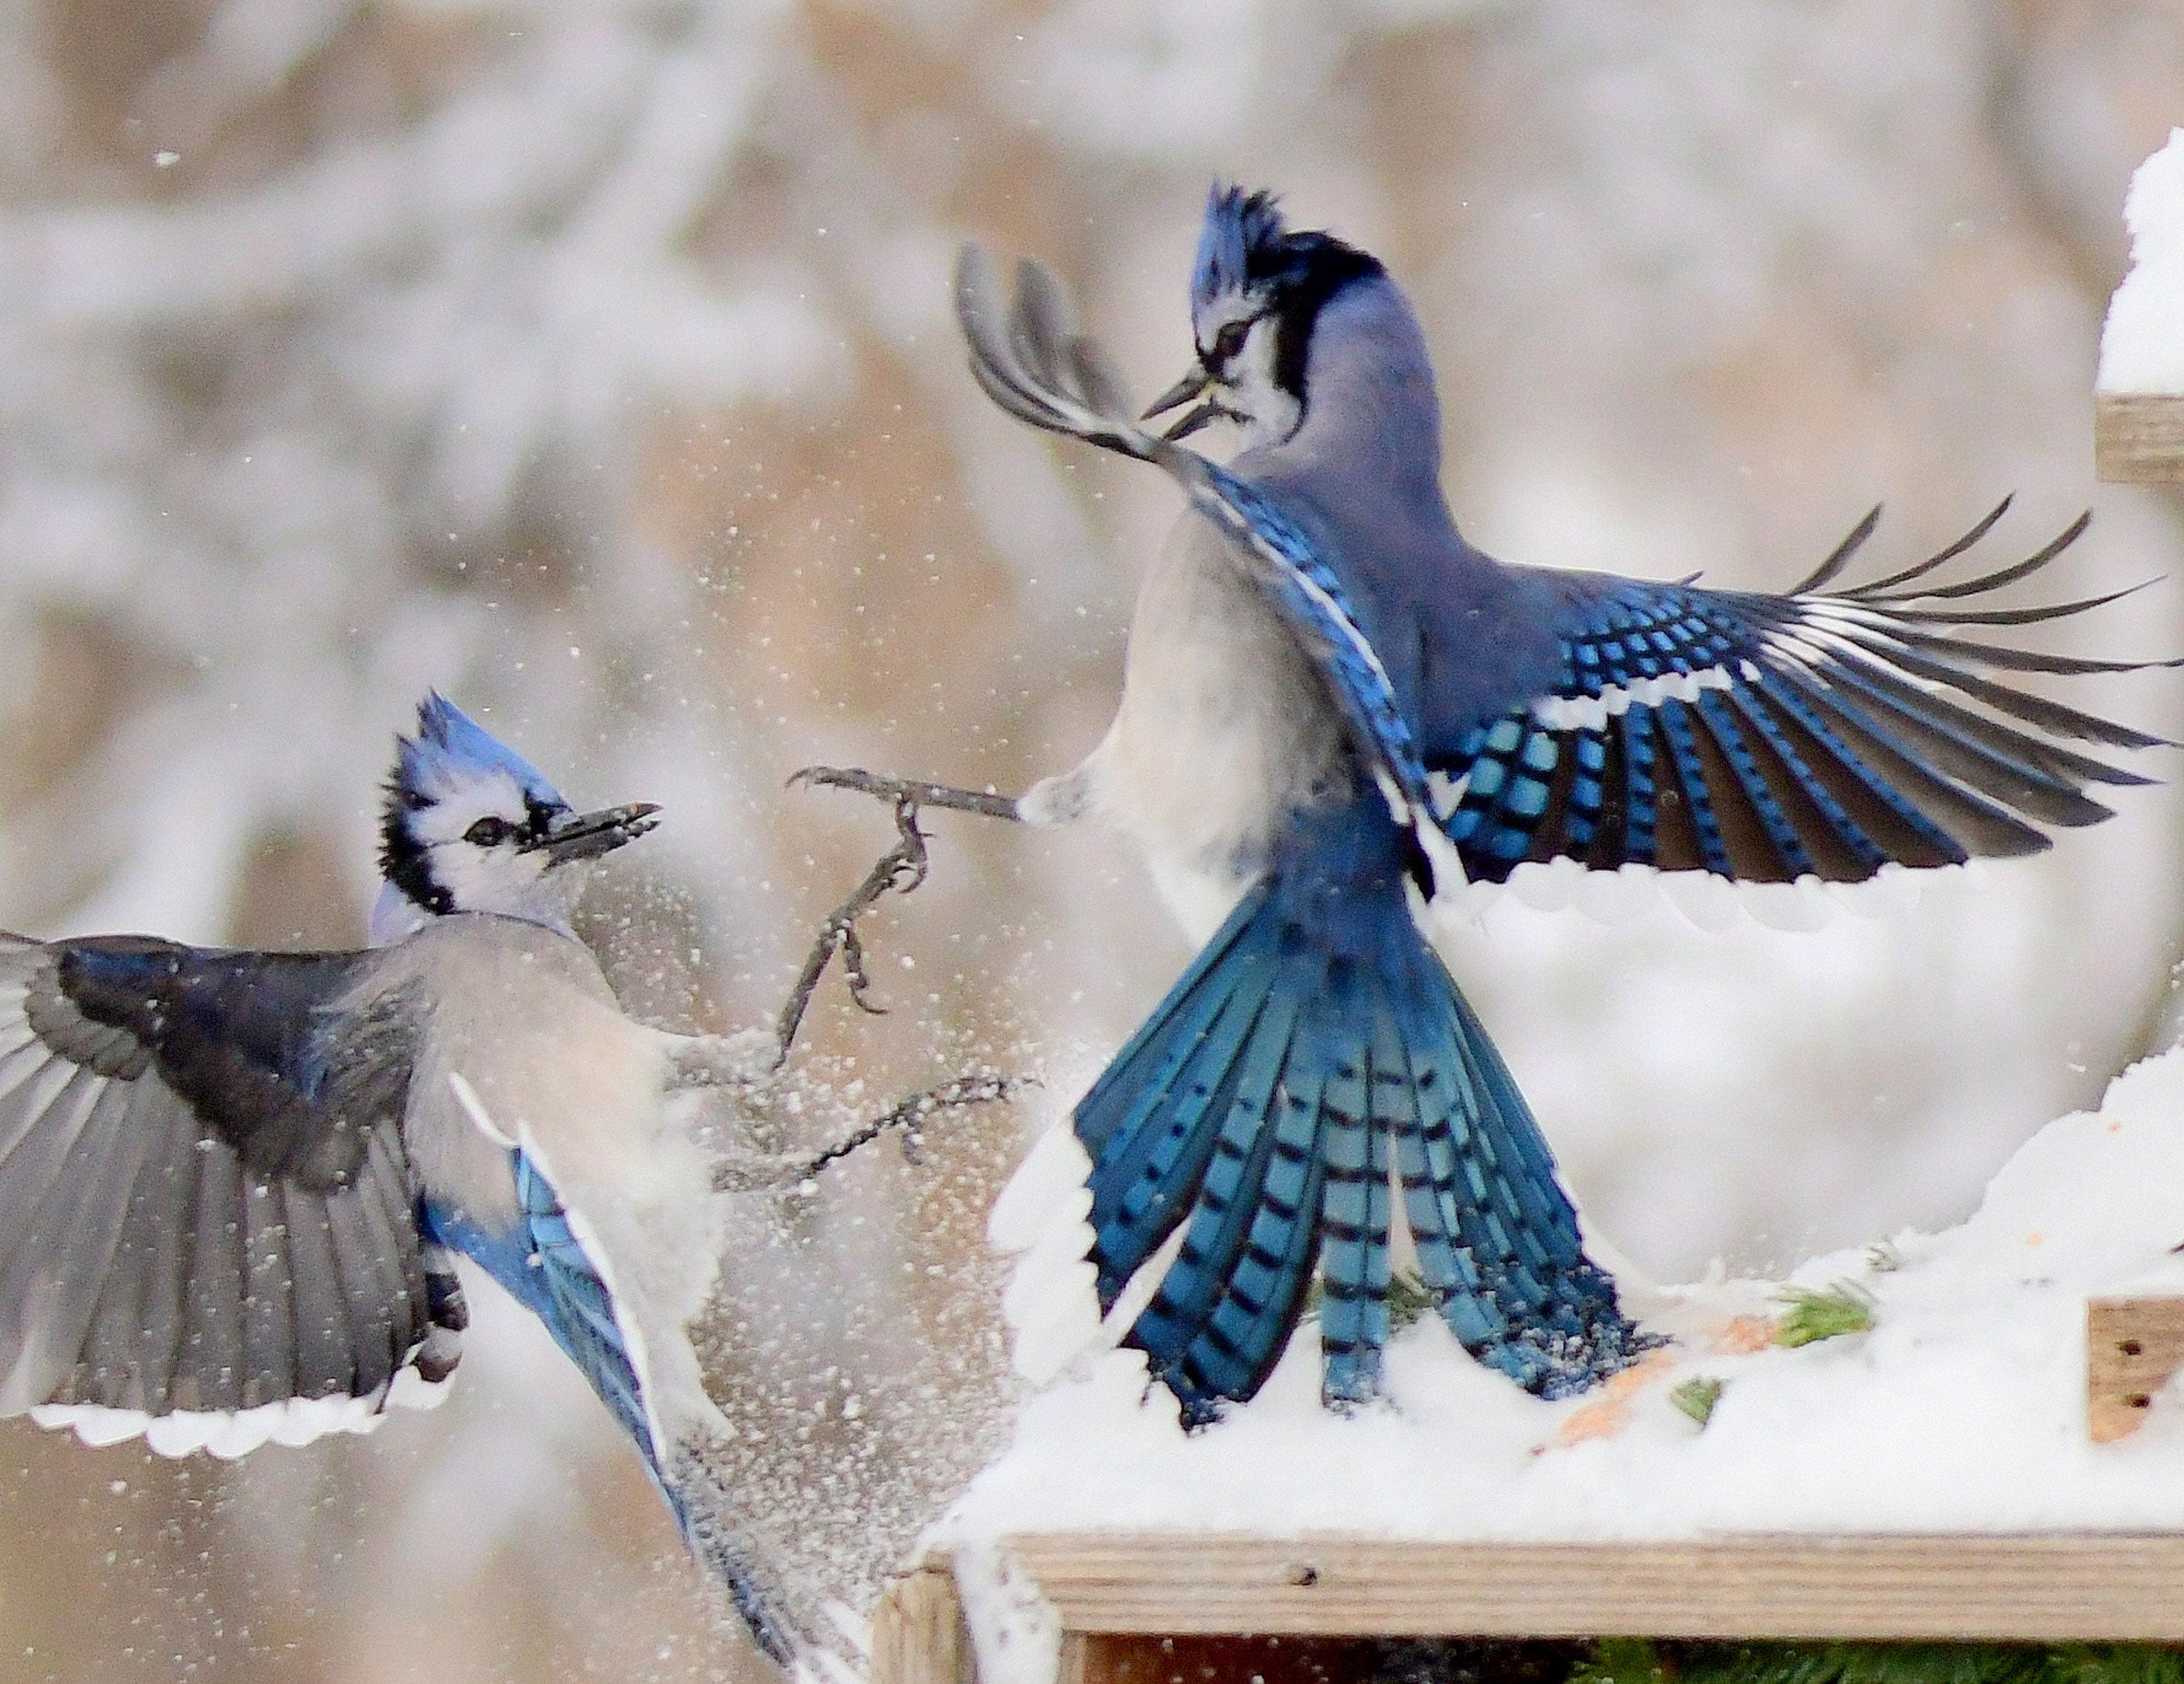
x: 1768, y: 738
x: 206, y: 1203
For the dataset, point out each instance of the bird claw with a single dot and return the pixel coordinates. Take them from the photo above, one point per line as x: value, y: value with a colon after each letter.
x: 902, y: 869
x: 909, y: 1114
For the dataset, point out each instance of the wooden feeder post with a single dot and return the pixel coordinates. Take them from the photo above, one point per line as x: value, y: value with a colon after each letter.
x: 2139, y: 438
x: 2133, y: 1345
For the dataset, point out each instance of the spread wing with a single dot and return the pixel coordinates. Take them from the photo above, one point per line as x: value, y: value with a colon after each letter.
x: 1032, y: 361
x: 1760, y: 738
x: 1767, y: 738
x: 206, y: 1215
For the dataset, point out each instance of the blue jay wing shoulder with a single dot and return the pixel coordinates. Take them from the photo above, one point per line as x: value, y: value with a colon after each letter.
x: 1296, y: 571
x: 1765, y: 738
x: 544, y: 1262
x: 280, y: 1055
x: 206, y: 1212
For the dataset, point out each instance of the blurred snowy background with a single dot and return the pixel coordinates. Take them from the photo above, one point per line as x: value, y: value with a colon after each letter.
x: 591, y: 358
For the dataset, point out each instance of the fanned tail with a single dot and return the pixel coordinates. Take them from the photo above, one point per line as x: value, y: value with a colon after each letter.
x: 1315, y: 1046
x: 1497, y: 1240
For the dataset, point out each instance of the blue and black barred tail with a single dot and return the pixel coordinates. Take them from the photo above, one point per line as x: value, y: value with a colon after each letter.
x: 1316, y: 1054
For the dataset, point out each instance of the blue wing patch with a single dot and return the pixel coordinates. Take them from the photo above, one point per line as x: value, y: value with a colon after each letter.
x: 1769, y: 737
x: 1315, y: 606
x: 544, y: 1268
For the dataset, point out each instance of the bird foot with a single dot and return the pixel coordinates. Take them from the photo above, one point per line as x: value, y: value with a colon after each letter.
x: 901, y: 869
x: 740, y: 1171
x: 907, y: 791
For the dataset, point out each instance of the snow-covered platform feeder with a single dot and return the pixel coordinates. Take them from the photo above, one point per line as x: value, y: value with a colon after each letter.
x: 1961, y: 1436
x: 2138, y: 406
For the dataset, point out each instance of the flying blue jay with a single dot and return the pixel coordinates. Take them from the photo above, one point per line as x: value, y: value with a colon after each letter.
x: 233, y: 1183
x: 1329, y: 697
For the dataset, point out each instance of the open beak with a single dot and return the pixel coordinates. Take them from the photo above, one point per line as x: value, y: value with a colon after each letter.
x: 1181, y: 392
x: 587, y: 835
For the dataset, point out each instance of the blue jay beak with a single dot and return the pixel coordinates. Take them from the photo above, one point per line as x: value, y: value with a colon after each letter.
x: 587, y: 835
x: 1181, y: 392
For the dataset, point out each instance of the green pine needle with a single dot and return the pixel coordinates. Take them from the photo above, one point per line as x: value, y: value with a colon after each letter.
x: 1623, y: 1661
x: 1632, y: 1661
x: 1696, y: 1397
x: 1817, y: 1313
x: 1409, y: 1298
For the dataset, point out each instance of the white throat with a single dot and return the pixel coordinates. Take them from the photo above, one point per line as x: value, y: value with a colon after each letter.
x: 1269, y: 415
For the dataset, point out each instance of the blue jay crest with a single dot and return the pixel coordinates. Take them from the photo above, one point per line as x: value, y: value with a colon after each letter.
x: 451, y: 749
x: 1242, y: 242
x: 1256, y: 292
x: 470, y: 826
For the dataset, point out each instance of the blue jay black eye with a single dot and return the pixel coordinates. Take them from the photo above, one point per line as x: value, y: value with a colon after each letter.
x: 489, y: 833
x: 1231, y: 340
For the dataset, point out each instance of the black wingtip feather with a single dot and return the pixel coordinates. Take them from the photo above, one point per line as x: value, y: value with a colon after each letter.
x: 1839, y: 558
x: 1996, y: 581
x: 2018, y: 616
x: 1979, y: 529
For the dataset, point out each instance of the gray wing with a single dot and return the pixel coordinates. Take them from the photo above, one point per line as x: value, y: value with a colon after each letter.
x: 207, y: 1228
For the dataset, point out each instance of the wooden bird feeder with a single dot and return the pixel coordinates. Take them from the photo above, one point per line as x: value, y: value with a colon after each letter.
x: 1148, y: 1609
x: 2139, y: 438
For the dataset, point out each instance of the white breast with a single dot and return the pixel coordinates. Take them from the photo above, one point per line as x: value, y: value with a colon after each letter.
x: 1224, y: 730
x: 525, y: 1018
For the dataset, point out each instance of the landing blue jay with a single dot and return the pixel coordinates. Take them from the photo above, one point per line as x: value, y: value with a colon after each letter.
x: 1330, y: 697
x: 232, y: 1184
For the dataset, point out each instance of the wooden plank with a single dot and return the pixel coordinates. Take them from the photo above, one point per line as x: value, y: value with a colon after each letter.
x: 2032, y: 1587
x: 918, y: 1636
x: 2138, y: 437
x: 2134, y: 1347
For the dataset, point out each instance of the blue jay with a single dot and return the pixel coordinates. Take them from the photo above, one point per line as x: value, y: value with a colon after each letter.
x: 232, y: 1184
x: 1329, y: 697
